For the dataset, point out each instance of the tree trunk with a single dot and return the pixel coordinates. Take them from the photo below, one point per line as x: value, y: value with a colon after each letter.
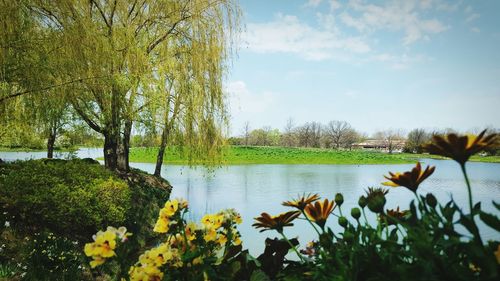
x: 112, y: 134
x: 111, y: 151
x: 50, y: 143
x: 161, y: 152
x: 124, y: 148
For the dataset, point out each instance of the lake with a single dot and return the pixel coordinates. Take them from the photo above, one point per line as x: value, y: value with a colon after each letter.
x: 252, y: 189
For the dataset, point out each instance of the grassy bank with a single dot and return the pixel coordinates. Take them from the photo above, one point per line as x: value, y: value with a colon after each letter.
x: 474, y: 158
x: 237, y: 155
x: 28, y: 149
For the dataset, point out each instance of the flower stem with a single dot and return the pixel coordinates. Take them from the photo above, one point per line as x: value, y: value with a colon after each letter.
x: 475, y: 229
x: 312, y: 224
x: 468, y: 188
x: 293, y: 247
x: 364, y: 216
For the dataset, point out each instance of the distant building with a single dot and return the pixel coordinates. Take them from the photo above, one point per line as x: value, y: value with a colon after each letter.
x: 397, y: 145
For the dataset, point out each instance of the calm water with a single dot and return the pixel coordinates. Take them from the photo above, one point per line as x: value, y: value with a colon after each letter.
x: 252, y: 189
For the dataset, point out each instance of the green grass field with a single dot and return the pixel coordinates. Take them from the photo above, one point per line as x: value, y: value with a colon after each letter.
x: 237, y: 155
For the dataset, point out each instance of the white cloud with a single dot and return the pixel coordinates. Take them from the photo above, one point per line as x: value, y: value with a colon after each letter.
x: 397, y: 16
x: 313, y: 3
x: 470, y: 14
x: 475, y: 29
x: 242, y: 100
x: 335, y: 5
x: 287, y: 34
x: 398, y: 61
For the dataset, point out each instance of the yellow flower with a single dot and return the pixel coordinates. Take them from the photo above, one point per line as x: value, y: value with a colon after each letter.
x: 96, y: 262
x: 268, y: 222
x: 411, y: 179
x: 90, y: 249
x: 183, y: 204
x: 103, y: 245
x: 121, y: 232
x: 461, y: 148
x: 238, y: 219
x: 207, y: 220
x: 197, y: 260
x: 162, y: 225
x: 145, y: 273
x: 237, y: 241
x: 211, y: 235
x: 301, y: 202
x: 318, y: 211
x: 218, y: 220
x: 222, y: 240
x: 171, y: 207
x: 190, y: 231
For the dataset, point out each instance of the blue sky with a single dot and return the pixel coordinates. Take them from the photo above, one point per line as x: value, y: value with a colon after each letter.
x: 376, y: 64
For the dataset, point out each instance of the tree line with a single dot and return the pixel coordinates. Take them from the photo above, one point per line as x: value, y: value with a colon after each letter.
x: 338, y: 134
x: 334, y: 134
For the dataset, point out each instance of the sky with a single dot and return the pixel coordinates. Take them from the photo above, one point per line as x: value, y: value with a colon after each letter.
x: 375, y: 64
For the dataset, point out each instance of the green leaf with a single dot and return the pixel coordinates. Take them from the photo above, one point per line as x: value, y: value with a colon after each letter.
x: 496, y: 205
x: 259, y: 275
x: 477, y: 208
x: 490, y: 220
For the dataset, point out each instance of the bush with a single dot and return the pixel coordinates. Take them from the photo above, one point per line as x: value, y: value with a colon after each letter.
x: 66, y: 197
x: 63, y: 203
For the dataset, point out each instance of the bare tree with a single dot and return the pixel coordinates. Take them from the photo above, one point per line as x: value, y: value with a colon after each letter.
x: 336, y: 132
x: 350, y: 137
x: 309, y: 134
x: 392, y: 139
x: 288, y: 138
x: 246, y: 132
x: 416, y: 138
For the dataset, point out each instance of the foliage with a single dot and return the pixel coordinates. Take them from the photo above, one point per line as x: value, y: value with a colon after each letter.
x: 118, y: 64
x: 68, y: 197
x: 51, y: 257
x: 49, y: 207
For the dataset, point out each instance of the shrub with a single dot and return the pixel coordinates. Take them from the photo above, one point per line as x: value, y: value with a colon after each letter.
x: 66, y: 197
x: 68, y: 201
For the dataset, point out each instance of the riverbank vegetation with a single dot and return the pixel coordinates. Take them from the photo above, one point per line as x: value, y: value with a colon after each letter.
x: 240, y: 155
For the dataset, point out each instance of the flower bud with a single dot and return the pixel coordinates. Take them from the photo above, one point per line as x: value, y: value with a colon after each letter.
x: 376, y: 203
x: 343, y: 222
x: 339, y: 199
x: 431, y: 200
x: 362, y: 201
x: 348, y: 237
x: 356, y: 213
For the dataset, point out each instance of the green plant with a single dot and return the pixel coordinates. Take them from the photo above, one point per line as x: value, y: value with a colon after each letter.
x: 67, y: 197
x: 7, y: 271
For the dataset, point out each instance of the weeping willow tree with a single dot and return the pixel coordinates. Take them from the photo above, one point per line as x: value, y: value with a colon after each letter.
x: 165, y: 57
x: 193, y: 112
